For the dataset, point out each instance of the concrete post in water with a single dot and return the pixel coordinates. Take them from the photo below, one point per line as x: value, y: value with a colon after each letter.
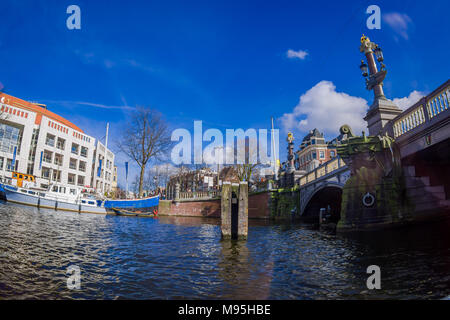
x: 243, y: 211
x: 234, y: 211
x: 226, y: 210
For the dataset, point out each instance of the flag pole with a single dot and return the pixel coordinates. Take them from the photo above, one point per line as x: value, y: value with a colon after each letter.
x: 106, y: 156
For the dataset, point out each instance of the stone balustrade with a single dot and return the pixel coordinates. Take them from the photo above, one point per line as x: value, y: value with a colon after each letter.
x: 198, y: 195
x: 421, y: 112
x: 322, y: 170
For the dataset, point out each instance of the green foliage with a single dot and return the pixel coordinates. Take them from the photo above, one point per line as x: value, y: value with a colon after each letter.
x: 283, y: 202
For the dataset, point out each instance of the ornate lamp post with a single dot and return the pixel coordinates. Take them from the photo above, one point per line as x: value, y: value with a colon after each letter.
x: 290, y: 140
x: 382, y: 109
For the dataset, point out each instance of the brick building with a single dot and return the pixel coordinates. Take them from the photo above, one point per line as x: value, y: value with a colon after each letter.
x: 314, y: 151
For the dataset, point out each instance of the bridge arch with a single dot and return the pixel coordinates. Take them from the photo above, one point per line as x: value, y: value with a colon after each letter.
x: 327, y: 194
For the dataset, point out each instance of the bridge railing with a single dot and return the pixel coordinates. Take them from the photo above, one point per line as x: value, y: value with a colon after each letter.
x: 199, y: 194
x: 421, y: 112
x: 322, y: 170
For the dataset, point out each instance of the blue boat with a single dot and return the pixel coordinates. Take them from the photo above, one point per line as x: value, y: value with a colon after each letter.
x: 142, y: 206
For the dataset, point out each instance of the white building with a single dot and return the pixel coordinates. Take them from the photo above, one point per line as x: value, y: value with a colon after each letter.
x: 103, y: 169
x: 44, y: 144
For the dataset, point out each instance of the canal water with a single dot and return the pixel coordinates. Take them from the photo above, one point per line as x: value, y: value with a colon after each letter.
x: 183, y: 258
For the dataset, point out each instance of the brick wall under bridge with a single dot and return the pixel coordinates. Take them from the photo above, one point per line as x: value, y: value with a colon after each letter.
x: 258, y: 207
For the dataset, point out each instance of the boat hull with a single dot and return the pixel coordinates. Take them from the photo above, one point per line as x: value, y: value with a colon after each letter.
x: 133, y: 214
x: 141, y: 206
x: 13, y: 195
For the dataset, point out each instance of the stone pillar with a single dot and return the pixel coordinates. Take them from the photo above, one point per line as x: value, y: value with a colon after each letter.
x: 177, y: 191
x: 291, y: 166
x: 243, y: 210
x: 226, y: 210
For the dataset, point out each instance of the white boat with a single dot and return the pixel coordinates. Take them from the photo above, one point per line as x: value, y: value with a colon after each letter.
x: 57, y: 196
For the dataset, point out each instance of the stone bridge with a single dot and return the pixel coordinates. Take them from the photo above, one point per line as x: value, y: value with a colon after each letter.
x: 323, y: 187
x: 422, y: 134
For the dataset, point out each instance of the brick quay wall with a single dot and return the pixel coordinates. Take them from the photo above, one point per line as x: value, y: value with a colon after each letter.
x: 258, y: 207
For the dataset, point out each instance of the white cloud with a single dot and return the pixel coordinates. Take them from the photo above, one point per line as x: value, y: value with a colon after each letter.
x: 399, y: 22
x: 324, y: 108
x: 162, y: 168
x: 406, y: 102
x: 300, y: 54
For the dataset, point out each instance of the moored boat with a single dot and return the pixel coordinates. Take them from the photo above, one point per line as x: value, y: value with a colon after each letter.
x: 122, y: 212
x: 142, y: 206
x: 23, y: 191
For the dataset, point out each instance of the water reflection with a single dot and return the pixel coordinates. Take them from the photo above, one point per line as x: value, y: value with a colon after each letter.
x: 176, y: 258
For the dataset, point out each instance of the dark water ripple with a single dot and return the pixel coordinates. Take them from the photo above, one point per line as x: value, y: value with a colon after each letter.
x: 176, y: 258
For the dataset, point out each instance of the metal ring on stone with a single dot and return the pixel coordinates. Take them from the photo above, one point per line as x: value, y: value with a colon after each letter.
x: 368, y: 200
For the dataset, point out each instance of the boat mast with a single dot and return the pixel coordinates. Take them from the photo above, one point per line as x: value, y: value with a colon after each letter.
x: 104, y: 160
x: 272, y: 144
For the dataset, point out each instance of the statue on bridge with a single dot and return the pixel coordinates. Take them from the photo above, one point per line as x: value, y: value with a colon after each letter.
x: 374, y: 152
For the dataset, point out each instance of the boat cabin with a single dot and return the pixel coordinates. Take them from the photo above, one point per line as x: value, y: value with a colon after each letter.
x: 22, y: 179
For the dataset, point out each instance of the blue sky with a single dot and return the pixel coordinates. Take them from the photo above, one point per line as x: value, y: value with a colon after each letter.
x: 223, y: 62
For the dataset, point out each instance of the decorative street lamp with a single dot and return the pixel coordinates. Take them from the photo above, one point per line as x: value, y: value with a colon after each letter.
x: 364, y: 69
x: 382, y: 109
x: 290, y: 140
x: 378, y: 53
x: 375, y: 78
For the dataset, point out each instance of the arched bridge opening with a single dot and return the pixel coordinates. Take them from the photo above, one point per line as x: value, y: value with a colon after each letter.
x: 327, y: 199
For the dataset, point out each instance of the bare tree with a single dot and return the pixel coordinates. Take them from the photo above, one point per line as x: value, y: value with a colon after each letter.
x: 145, y: 138
x: 245, y: 170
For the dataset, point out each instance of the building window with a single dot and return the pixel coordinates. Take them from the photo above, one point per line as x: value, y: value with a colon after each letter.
x: 61, y: 144
x: 47, y: 156
x: 313, y: 141
x: 332, y: 154
x: 50, y: 140
x: 2, y: 160
x: 71, y: 179
x: 58, y: 159
x: 10, y: 137
x: 45, y: 173
x: 9, y: 166
x: 80, y: 180
x: 84, y: 151
x: 321, y: 154
x: 56, y: 175
x: 30, y: 168
x: 82, y: 166
x: 314, y: 155
x: 75, y: 148
x: 73, y: 164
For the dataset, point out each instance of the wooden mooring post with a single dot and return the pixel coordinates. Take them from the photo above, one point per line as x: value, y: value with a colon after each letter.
x: 234, y: 210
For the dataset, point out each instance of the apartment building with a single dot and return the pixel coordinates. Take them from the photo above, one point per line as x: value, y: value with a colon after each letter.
x: 36, y: 141
x: 103, y: 169
x: 313, y: 151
